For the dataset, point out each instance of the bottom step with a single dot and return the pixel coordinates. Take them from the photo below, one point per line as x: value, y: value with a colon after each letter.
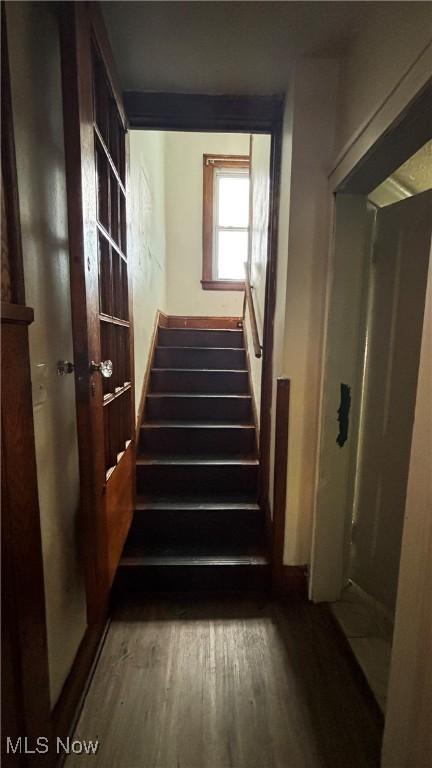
x: 197, y: 573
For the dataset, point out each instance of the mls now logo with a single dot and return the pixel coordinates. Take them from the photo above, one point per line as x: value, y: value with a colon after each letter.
x: 77, y: 747
x: 40, y: 746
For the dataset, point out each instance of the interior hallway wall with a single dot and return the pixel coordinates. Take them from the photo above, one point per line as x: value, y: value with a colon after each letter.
x: 147, y: 241
x: 389, y: 40
x: 37, y: 114
x: 184, y: 209
x: 304, y: 230
x: 260, y: 189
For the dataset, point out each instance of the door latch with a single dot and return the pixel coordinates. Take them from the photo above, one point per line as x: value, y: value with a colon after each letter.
x: 64, y: 367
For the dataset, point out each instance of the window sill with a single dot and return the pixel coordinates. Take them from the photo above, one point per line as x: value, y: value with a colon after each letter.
x: 223, y: 285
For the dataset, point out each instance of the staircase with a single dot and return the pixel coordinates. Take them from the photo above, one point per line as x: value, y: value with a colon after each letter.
x: 197, y: 523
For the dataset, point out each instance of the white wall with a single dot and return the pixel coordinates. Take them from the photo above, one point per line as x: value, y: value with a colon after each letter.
x: 310, y: 138
x: 37, y: 114
x: 184, y: 208
x: 389, y: 40
x: 147, y: 246
x: 260, y: 189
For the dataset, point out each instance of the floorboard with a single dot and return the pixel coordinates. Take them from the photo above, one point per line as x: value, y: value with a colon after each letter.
x: 227, y: 683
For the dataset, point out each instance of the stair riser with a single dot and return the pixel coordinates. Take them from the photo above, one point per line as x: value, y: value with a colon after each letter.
x: 191, y: 337
x: 231, y: 359
x: 208, y: 529
x: 196, y: 479
x: 199, y: 441
x: 255, y: 578
x: 200, y: 381
x: 199, y: 409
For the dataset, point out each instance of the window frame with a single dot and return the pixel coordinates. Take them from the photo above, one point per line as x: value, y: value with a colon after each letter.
x: 210, y: 163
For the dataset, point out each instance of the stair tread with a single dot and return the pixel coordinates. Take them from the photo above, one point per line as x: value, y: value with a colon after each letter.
x: 231, y: 395
x: 197, y: 460
x: 182, y: 560
x: 200, y: 330
x: 201, y: 349
x: 182, y: 502
x: 196, y: 424
x: 203, y: 370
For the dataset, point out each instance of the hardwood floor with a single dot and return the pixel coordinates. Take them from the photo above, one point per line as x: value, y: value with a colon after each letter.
x: 227, y: 683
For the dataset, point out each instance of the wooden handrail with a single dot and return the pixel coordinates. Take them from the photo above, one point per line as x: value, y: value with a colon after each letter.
x: 249, y: 301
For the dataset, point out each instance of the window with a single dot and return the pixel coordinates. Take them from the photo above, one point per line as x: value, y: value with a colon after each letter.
x: 225, y: 221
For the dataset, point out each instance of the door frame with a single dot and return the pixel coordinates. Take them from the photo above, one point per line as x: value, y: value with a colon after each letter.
x: 208, y: 113
x: 388, y: 139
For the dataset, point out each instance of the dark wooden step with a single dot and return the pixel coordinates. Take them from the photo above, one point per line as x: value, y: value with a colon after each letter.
x: 196, y: 476
x: 158, y: 438
x: 190, y: 380
x: 196, y: 525
x: 154, y: 573
x: 199, y: 407
x: 200, y: 357
x: 199, y: 337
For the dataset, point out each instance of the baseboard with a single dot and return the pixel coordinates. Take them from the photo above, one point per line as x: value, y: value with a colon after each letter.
x: 290, y: 581
x: 190, y: 321
x: 160, y: 320
x: 68, y: 708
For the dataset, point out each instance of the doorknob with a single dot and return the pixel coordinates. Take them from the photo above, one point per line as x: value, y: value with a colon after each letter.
x: 105, y: 368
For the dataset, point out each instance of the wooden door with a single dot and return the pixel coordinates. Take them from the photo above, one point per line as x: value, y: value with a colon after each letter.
x: 96, y: 163
x: 395, y: 320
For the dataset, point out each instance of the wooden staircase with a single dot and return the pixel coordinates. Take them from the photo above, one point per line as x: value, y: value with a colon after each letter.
x: 197, y: 523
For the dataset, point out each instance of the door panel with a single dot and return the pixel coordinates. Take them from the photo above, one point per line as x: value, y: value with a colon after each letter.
x: 396, y: 308
x: 96, y: 160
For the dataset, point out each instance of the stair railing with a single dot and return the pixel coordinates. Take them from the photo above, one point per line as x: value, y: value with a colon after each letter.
x: 248, y: 301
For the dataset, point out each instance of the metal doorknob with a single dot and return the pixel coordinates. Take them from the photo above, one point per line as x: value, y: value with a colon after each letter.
x: 105, y: 368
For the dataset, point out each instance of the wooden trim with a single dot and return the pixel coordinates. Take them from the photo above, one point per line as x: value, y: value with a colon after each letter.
x: 104, y: 47
x: 202, y: 112
x: 254, y: 327
x: 286, y: 579
x: 222, y: 285
x: 9, y: 173
x: 189, y: 321
x: 210, y: 162
x: 269, y: 316
x: 280, y: 478
x: 160, y: 320
x: 253, y: 399
x: 415, y: 79
x: 68, y: 707
x: 16, y: 313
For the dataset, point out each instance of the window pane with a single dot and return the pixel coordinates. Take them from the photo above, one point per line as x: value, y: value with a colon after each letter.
x: 233, y: 201
x: 232, y: 251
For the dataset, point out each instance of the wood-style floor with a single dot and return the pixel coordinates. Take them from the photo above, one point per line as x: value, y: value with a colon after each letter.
x: 227, y: 683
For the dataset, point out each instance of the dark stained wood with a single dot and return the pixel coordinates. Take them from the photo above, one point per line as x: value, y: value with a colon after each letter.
x: 202, y: 112
x: 100, y: 290
x: 228, y: 683
x: 201, y: 337
x: 198, y: 407
x: 186, y: 321
x: 16, y: 313
x: 162, y: 438
x: 254, y: 327
x: 210, y: 162
x: 280, y: 481
x: 23, y: 596
x: 269, y: 315
x: 200, y: 381
x: 11, y: 221
x: 120, y: 502
x: 25, y: 694
x: 227, y: 358
x: 68, y: 707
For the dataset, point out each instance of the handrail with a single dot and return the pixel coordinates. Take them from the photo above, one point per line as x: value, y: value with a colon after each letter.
x: 248, y: 299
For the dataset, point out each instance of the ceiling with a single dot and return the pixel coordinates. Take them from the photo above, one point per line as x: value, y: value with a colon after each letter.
x: 224, y: 47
